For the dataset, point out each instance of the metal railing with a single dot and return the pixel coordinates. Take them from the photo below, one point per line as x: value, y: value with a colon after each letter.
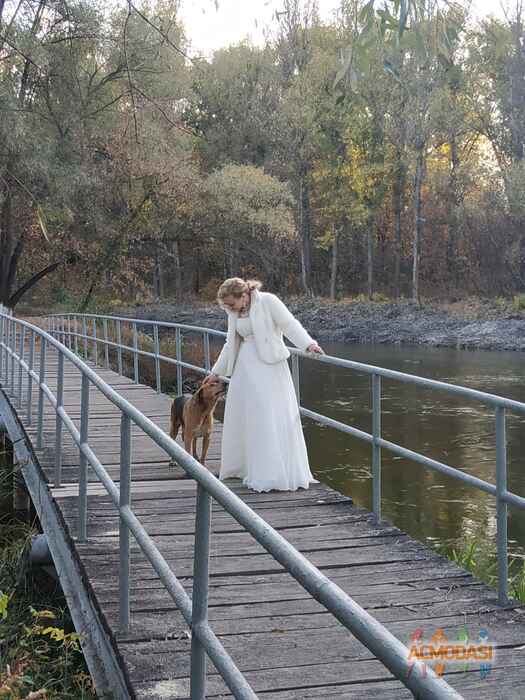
x: 66, y: 327
x: 14, y: 336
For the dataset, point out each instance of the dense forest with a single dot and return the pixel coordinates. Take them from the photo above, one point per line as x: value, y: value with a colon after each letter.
x: 377, y: 152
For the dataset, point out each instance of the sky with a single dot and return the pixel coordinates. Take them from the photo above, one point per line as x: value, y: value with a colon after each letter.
x: 208, y: 28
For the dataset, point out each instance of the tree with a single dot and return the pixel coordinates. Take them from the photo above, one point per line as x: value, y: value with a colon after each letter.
x: 251, y: 217
x: 496, y: 71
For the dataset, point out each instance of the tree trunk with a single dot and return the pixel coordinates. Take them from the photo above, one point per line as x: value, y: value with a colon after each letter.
x: 228, y: 258
x: 197, y: 270
x: 178, y: 268
x: 6, y: 245
x: 158, y: 276
x: 398, y: 190
x: 85, y: 302
x: 418, y: 220
x: 156, y: 292
x: 15, y: 298
x: 453, y: 219
x: 369, y: 260
x: 11, y: 247
x: 517, y: 88
x: 304, y: 232
x: 333, y: 271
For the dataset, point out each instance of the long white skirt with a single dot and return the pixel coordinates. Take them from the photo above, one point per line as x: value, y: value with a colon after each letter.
x: 263, y: 442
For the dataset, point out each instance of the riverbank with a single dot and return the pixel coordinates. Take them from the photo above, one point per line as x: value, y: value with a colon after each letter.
x: 474, y: 324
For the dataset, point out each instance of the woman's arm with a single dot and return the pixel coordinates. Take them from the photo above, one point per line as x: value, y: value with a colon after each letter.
x: 290, y: 326
x: 221, y: 365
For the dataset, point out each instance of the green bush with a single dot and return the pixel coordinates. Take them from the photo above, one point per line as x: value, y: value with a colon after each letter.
x: 519, y: 302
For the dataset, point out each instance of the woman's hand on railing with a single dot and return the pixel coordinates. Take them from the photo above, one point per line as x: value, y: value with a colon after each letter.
x: 314, y: 347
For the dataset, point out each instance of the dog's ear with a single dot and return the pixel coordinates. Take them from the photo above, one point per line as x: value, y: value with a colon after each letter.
x: 198, y: 394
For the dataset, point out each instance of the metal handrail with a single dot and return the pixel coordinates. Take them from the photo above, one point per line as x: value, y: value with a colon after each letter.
x: 385, y: 646
x: 501, y: 404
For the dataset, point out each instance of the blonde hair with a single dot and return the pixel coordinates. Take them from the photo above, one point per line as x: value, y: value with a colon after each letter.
x: 236, y: 287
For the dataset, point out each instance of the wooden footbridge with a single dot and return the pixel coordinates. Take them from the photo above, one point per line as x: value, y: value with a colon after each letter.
x: 182, y: 586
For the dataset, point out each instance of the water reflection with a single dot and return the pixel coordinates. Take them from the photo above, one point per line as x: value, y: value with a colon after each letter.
x: 451, y: 429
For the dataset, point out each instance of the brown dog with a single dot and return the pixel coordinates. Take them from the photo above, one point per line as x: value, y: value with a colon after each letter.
x: 195, y: 415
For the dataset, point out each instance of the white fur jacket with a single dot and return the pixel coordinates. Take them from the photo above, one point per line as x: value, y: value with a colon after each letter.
x: 270, y: 319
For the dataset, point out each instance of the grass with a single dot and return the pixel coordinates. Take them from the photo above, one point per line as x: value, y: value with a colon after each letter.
x: 475, y: 556
x: 40, y: 654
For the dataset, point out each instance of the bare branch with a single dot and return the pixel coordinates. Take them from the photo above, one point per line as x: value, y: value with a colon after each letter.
x: 108, y: 104
x: 166, y: 117
x: 132, y: 95
x: 163, y: 35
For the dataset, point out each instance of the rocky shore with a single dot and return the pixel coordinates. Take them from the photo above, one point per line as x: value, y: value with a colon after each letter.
x: 475, y: 324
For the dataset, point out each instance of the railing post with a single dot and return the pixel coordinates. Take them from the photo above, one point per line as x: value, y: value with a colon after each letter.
x: 1, y: 346
x: 29, y: 395
x: 5, y: 372
x: 21, y: 355
x: 296, y: 377
x: 135, y: 354
x: 95, y: 344
x: 58, y: 422
x: 7, y: 332
x: 125, y: 499
x: 199, y: 615
x: 206, y: 340
x: 106, y: 346
x: 7, y: 335
x: 13, y: 352
x: 178, y: 357
x: 84, y: 334
x: 69, y: 336
x: 376, y: 449
x: 75, y: 331
x: 157, y: 354
x: 83, y: 473
x: 41, y: 381
x: 501, y: 506
x: 119, y: 348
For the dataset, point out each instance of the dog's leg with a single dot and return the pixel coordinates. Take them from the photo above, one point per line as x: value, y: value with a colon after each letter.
x: 187, y: 441
x: 194, y: 449
x: 205, y: 445
x: 174, y: 430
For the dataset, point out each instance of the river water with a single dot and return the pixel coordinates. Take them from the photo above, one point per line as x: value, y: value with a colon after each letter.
x: 429, y: 506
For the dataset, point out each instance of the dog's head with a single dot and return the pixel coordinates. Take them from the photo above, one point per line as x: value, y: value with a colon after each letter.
x: 211, y: 391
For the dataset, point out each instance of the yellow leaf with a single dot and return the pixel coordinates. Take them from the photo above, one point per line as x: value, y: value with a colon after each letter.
x: 44, y: 614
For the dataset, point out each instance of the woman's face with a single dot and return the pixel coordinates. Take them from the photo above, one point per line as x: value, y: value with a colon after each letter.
x: 232, y: 303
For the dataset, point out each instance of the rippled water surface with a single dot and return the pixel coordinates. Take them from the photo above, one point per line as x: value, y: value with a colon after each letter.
x: 451, y: 429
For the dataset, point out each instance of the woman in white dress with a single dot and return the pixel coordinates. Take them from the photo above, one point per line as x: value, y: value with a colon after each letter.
x: 262, y: 442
